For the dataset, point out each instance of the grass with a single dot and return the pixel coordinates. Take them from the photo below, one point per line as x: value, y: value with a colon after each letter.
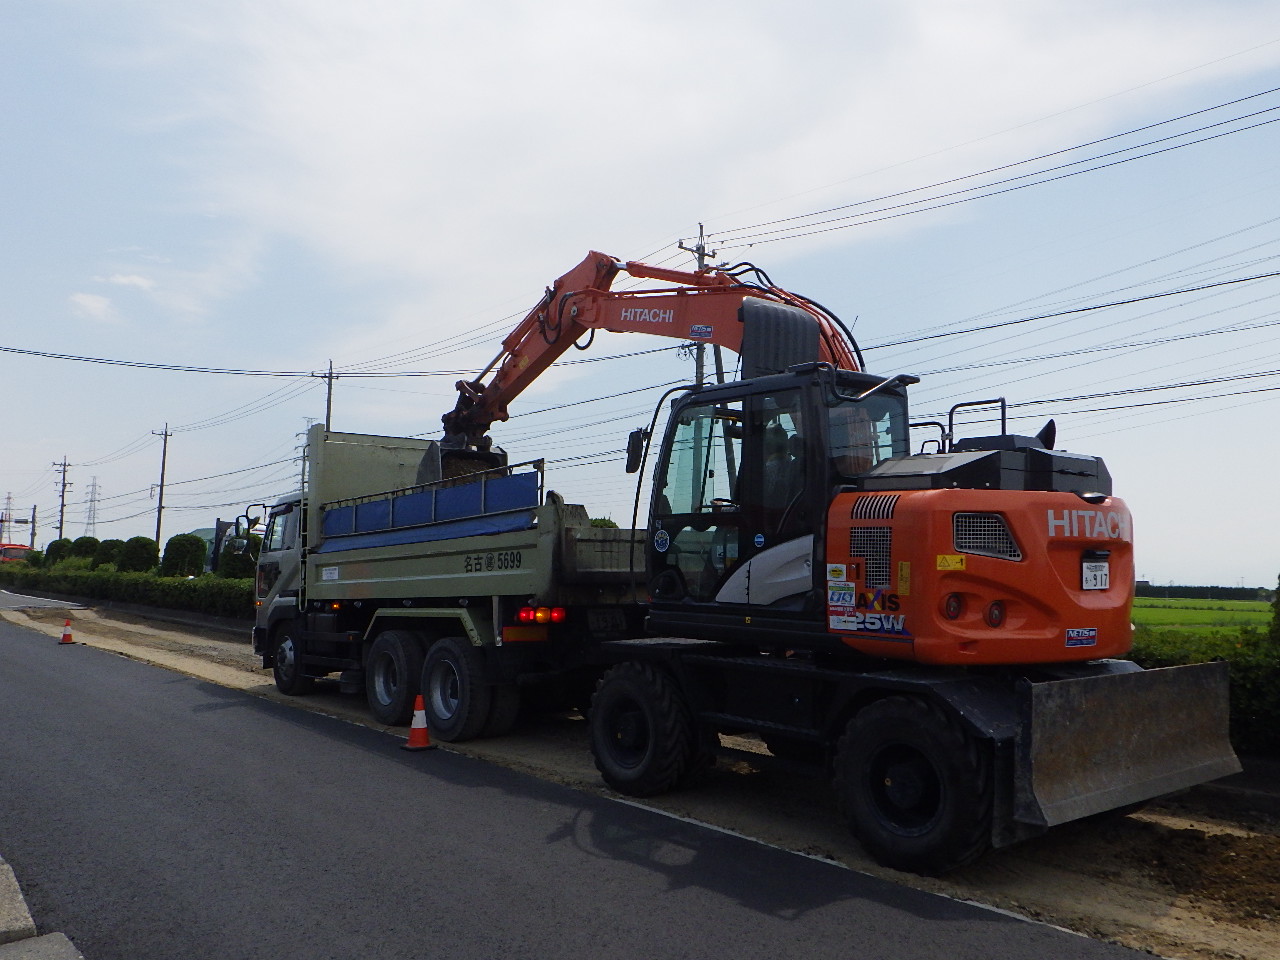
x: 1200, y: 616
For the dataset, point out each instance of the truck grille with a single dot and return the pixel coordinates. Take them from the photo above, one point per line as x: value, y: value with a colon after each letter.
x: 875, y: 546
x: 984, y: 534
x: 874, y: 508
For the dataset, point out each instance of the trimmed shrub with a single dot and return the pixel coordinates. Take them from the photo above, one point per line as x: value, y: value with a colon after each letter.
x: 138, y: 555
x: 57, y: 550
x: 36, y: 558
x: 1275, y: 618
x: 84, y: 547
x: 184, y: 556
x: 108, y: 552
x: 210, y: 595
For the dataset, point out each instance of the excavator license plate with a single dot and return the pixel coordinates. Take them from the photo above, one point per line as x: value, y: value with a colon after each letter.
x: 1095, y: 575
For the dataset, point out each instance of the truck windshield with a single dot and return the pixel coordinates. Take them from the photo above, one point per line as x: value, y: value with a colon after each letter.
x: 864, y: 434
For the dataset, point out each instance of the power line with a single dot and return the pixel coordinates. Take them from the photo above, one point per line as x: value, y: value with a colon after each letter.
x: 940, y: 202
x: 1073, y: 310
x: 727, y: 233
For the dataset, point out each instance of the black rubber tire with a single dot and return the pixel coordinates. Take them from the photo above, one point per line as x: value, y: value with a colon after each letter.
x: 391, y: 674
x: 290, y: 680
x: 455, y: 690
x: 504, y: 707
x: 643, y: 739
x: 914, y: 787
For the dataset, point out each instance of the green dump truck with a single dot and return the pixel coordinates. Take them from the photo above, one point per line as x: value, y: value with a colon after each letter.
x: 380, y: 567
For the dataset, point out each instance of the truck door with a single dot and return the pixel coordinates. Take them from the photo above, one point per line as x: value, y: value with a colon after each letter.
x: 280, y: 565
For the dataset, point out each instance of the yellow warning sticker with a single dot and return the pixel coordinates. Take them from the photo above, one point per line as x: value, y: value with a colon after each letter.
x: 904, y: 578
x: 950, y: 561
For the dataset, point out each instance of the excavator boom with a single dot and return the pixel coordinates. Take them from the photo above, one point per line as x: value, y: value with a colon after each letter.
x: 770, y: 328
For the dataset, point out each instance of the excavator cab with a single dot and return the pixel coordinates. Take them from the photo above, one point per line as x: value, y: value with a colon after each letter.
x: 745, y: 475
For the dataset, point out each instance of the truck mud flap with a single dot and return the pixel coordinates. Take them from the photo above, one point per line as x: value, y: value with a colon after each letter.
x: 1098, y: 743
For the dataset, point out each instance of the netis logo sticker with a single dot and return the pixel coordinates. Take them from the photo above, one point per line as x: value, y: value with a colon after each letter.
x: 1082, y: 636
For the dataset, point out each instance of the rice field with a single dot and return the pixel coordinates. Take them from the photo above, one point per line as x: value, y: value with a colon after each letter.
x: 1200, y: 616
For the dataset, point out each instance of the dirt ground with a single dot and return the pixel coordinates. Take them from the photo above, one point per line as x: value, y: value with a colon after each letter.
x: 1195, y: 876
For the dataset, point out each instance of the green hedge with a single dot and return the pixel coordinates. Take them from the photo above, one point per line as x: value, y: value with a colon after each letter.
x: 216, y: 596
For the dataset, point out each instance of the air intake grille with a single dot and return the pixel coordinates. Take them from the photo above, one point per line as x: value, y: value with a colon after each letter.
x: 986, y: 535
x: 875, y: 508
x: 875, y: 546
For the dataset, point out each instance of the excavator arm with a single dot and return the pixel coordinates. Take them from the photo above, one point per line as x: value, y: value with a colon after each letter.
x: 770, y: 328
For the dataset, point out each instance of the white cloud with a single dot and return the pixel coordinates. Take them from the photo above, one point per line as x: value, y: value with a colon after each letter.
x: 131, y: 280
x: 91, y: 306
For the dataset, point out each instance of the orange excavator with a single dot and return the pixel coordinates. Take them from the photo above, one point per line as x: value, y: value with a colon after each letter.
x: 940, y: 629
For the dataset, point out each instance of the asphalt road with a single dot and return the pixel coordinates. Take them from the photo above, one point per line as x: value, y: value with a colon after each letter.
x: 151, y: 816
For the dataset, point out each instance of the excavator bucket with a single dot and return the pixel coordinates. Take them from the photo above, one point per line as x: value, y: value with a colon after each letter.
x: 1104, y: 742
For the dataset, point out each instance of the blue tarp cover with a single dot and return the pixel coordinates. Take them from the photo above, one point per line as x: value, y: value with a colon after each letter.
x: 450, y: 530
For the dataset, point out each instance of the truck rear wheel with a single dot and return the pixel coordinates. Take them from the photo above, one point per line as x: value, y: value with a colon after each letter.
x: 504, y: 707
x: 914, y: 787
x: 643, y: 738
x: 391, y: 675
x: 454, y: 690
x: 287, y: 668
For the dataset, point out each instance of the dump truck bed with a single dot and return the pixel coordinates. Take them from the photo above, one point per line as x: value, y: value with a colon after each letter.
x: 494, y: 534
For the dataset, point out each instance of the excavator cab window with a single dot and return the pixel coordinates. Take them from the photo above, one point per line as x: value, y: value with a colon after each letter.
x: 696, y: 507
x: 861, y: 435
x: 702, y: 471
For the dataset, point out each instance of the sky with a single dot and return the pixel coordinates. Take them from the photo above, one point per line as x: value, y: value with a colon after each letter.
x: 388, y: 186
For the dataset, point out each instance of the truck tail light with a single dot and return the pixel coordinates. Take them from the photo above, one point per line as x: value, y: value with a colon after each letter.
x: 542, y: 615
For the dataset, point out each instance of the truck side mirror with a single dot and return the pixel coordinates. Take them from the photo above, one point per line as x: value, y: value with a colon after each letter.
x: 635, y: 449
x: 238, y: 545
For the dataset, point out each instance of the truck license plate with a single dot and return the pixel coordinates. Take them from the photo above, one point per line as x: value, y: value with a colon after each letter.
x: 1095, y: 575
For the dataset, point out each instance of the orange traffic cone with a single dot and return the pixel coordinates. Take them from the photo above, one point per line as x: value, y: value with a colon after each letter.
x: 419, y: 735
x: 66, y: 633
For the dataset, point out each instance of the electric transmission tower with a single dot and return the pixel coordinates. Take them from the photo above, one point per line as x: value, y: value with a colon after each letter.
x: 91, y: 511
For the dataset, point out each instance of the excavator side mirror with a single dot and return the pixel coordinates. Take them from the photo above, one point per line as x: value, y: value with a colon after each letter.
x: 635, y: 449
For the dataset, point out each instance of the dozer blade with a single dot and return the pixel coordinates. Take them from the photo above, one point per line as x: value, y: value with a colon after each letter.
x: 1102, y: 742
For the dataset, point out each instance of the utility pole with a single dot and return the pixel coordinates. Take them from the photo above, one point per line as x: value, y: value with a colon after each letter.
x: 328, y: 400
x: 62, y: 493
x: 164, y: 459
x: 5, y: 518
x: 328, y: 395
x: 699, y: 351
